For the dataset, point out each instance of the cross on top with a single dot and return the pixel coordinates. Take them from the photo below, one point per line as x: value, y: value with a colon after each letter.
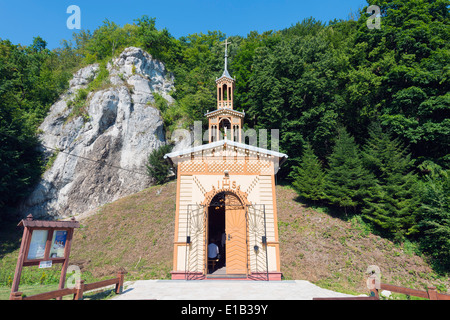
x: 226, y: 46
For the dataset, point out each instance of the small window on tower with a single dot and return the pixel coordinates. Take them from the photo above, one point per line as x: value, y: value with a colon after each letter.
x: 225, y: 92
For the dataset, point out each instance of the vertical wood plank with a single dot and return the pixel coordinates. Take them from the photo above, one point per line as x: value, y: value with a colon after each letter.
x: 65, y: 264
x: 16, y: 296
x: 119, y: 285
x: 432, y: 293
x: 23, y: 249
x: 48, y: 244
x: 79, y: 288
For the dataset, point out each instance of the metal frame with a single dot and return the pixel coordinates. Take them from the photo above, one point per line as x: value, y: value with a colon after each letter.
x: 259, y: 243
x: 197, y: 235
x: 194, y: 229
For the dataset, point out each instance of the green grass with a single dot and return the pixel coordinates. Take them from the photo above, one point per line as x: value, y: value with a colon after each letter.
x: 29, y: 290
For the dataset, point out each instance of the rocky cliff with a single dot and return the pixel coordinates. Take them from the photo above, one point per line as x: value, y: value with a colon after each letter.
x: 100, y: 155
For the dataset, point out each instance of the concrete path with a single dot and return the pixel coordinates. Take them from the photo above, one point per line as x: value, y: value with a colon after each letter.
x: 223, y: 290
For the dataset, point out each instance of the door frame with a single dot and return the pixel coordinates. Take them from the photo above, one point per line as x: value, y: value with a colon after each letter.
x: 208, y: 202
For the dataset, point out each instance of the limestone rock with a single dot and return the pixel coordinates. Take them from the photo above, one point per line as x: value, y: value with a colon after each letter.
x: 101, y: 156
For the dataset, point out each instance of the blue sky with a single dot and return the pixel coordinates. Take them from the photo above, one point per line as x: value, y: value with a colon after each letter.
x: 20, y: 21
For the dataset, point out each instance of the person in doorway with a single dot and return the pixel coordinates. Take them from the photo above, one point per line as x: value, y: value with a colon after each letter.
x: 213, y: 253
x: 213, y: 250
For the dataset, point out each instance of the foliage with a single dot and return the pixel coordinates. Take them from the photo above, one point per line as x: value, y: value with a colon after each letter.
x: 29, y: 84
x: 392, y: 201
x: 309, y: 177
x: 79, y: 102
x: 294, y: 87
x: 172, y: 114
x: 158, y: 168
x: 435, y: 223
x: 409, y: 58
x: 346, y: 178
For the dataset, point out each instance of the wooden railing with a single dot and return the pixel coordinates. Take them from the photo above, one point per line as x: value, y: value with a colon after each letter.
x: 375, y: 287
x: 77, y: 291
x: 431, y: 293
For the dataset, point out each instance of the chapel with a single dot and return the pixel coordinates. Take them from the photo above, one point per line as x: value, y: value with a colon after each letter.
x: 226, y: 209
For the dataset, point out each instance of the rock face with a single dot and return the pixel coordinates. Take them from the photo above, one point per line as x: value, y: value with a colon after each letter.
x: 101, y: 156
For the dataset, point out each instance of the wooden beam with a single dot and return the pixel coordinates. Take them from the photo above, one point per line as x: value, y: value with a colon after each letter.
x: 407, y: 291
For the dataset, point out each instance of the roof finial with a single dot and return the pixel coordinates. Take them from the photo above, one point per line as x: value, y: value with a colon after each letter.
x: 225, y: 71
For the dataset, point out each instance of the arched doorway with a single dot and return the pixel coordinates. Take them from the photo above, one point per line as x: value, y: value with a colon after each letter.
x: 227, y: 228
x: 225, y: 127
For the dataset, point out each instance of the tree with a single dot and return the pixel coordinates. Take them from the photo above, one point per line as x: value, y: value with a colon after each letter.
x: 295, y: 87
x: 28, y: 86
x: 346, y: 179
x: 157, y: 167
x: 435, y: 215
x: 392, y: 201
x: 406, y: 62
x: 309, y: 178
x: 158, y: 43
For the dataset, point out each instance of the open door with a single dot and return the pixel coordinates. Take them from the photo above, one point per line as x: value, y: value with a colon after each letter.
x: 236, y: 239
x: 236, y: 236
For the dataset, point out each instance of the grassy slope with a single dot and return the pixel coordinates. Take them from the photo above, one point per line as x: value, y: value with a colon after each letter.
x: 136, y: 233
x: 335, y: 254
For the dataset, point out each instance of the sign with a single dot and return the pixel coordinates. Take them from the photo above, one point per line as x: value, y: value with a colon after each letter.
x: 58, y: 244
x: 37, y: 245
x: 226, y: 184
x: 44, y: 243
x: 45, y: 264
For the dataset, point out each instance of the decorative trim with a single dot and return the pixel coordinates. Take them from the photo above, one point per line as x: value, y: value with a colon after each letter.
x: 242, y: 196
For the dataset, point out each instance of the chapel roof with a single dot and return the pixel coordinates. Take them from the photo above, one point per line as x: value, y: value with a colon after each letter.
x: 230, y: 143
x: 225, y: 110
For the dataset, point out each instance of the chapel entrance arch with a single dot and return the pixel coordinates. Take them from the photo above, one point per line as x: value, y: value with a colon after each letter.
x: 228, y: 228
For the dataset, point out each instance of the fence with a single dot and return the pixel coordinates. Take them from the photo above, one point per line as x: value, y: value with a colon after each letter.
x: 431, y: 293
x: 77, y: 291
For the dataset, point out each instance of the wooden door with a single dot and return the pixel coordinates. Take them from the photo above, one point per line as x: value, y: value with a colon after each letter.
x: 236, y: 240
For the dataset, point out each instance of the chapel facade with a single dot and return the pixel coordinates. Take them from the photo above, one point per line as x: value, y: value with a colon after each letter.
x: 226, y: 196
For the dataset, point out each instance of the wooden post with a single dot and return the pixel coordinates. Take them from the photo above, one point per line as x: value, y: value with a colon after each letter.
x: 16, y: 296
x: 119, y: 285
x: 65, y: 265
x: 26, y: 238
x: 373, y: 286
x: 79, y: 287
x: 432, y: 293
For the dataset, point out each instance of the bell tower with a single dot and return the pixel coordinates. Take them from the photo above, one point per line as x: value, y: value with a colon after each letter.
x: 225, y: 85
x: 225, y: 122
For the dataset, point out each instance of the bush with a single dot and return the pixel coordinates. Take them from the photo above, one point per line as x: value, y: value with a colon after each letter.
x: 157, y: 167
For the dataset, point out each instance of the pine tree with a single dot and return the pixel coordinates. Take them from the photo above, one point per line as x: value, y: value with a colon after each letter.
x: 346, y: 179
x: 393, y: 200
x: 435, y: 215
x: 309, y: 177
x: 157, y: 167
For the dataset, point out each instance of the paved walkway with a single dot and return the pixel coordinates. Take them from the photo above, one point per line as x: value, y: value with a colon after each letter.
x: 224, y: 290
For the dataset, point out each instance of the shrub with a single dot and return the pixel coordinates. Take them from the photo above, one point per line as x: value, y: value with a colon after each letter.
x: 157, y: 167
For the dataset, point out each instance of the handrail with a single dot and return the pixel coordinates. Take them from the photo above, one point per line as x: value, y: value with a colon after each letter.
x: 375, y: 287
x: 431, y: 293
x: 77, y: 291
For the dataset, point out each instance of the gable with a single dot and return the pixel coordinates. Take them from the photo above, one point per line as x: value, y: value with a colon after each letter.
x: 230, y: 154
